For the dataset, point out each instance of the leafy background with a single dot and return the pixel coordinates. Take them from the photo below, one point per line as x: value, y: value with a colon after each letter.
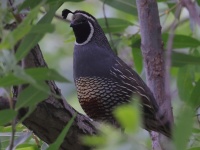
x: 56, y: 41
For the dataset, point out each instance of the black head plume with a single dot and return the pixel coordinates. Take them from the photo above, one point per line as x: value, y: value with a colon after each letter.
x: 65, y: 13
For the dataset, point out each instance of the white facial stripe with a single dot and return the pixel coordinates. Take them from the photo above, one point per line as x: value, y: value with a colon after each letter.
x: 89, y: 37
x: 86, y: 16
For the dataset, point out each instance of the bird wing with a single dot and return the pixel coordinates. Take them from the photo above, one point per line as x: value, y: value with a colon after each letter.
x: 134, y: 85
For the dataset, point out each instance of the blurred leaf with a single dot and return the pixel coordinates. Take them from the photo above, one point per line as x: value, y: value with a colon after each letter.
x: 198, y: 2
x: 195, y: 95
x: 45, y: 74
x: 115, y: 25
x: 194, y: 148
x: 30, y: 4
x: 42, y: 28
x: 181, y: 59
x: 137, y: 58
x: 137, y: 54
x: 184, y: 82
x: 62, y: 135
x: 127, y: 6
x: 136, y: 41
x: 6, y: 116
x: 181, y: 41
x: 183, y: 128
x: 131, y: 121
x: 196, y: 130
x: 31, y: 96
x: 20, y: 140
x: 55, y: 1
x: 36, y: 74
x: 108, y: 136
x: 17, y: 34
x: 19, y: 128
x: 94, y: 140
x: 28, y: 147
x: 10, y: 80
x: 31, y: 40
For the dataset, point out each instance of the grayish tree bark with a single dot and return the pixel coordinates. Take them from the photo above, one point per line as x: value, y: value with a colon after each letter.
x: 192, y: 8
x: 152, y: 51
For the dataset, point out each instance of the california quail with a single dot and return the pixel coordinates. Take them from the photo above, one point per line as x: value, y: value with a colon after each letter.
x: 103, y: 80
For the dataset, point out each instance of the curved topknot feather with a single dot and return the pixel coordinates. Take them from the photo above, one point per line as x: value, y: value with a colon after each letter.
x: 65, y: 13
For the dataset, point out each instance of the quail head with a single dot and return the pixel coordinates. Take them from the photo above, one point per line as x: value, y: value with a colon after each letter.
x: 103, y: 81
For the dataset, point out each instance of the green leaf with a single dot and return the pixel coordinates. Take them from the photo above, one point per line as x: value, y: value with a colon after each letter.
x: 194, y: 148
x: 6, y: 116
x: 23, y: 29
x: 31, y: 40
x: 115, y: 25
x: 181, y: 59
x: 128, y: 6
x: 181, y: 41
x: 195, y: 95
x: 136, y: 41
x: 137, y: 58
x: 30, y: 4
x: 41, y: 74
x: 61, y: 137
x: 137, y: 54
x: 31, y: 75
x: 196, y: 130
x: 185, y: 82
x: 31, y: 96
x: 10, y: 80
x: 129, y: 111
x: 42, y: 28
x: 183, y: 128
x: 198, y: 2
x: 27, y: 147
x: 55, y: 1
x: 94, y: 140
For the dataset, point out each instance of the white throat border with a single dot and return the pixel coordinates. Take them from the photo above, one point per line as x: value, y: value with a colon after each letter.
x: 89, y: 37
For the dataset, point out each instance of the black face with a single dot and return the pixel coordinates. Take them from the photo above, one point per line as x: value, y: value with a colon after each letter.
x: 81, y: 28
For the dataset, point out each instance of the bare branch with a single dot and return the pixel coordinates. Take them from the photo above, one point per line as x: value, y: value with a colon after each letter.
x: 152, y: 50
x: 191, y: 7
x: 168, y: 56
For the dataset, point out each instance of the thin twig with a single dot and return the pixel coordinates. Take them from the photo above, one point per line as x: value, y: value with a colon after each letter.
x: 18, y: 19
x: 167, y: 28
x: 168, y: 10
x: 169, y: 53
x: 107, y: 26
x: 13, y: 134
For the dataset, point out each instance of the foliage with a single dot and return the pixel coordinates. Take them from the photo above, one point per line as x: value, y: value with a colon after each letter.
x: 42, y: 28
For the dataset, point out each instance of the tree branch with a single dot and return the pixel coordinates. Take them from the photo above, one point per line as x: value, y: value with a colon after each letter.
x: 51, y: 116
x: 152, y: 51
x: 191, y: 7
